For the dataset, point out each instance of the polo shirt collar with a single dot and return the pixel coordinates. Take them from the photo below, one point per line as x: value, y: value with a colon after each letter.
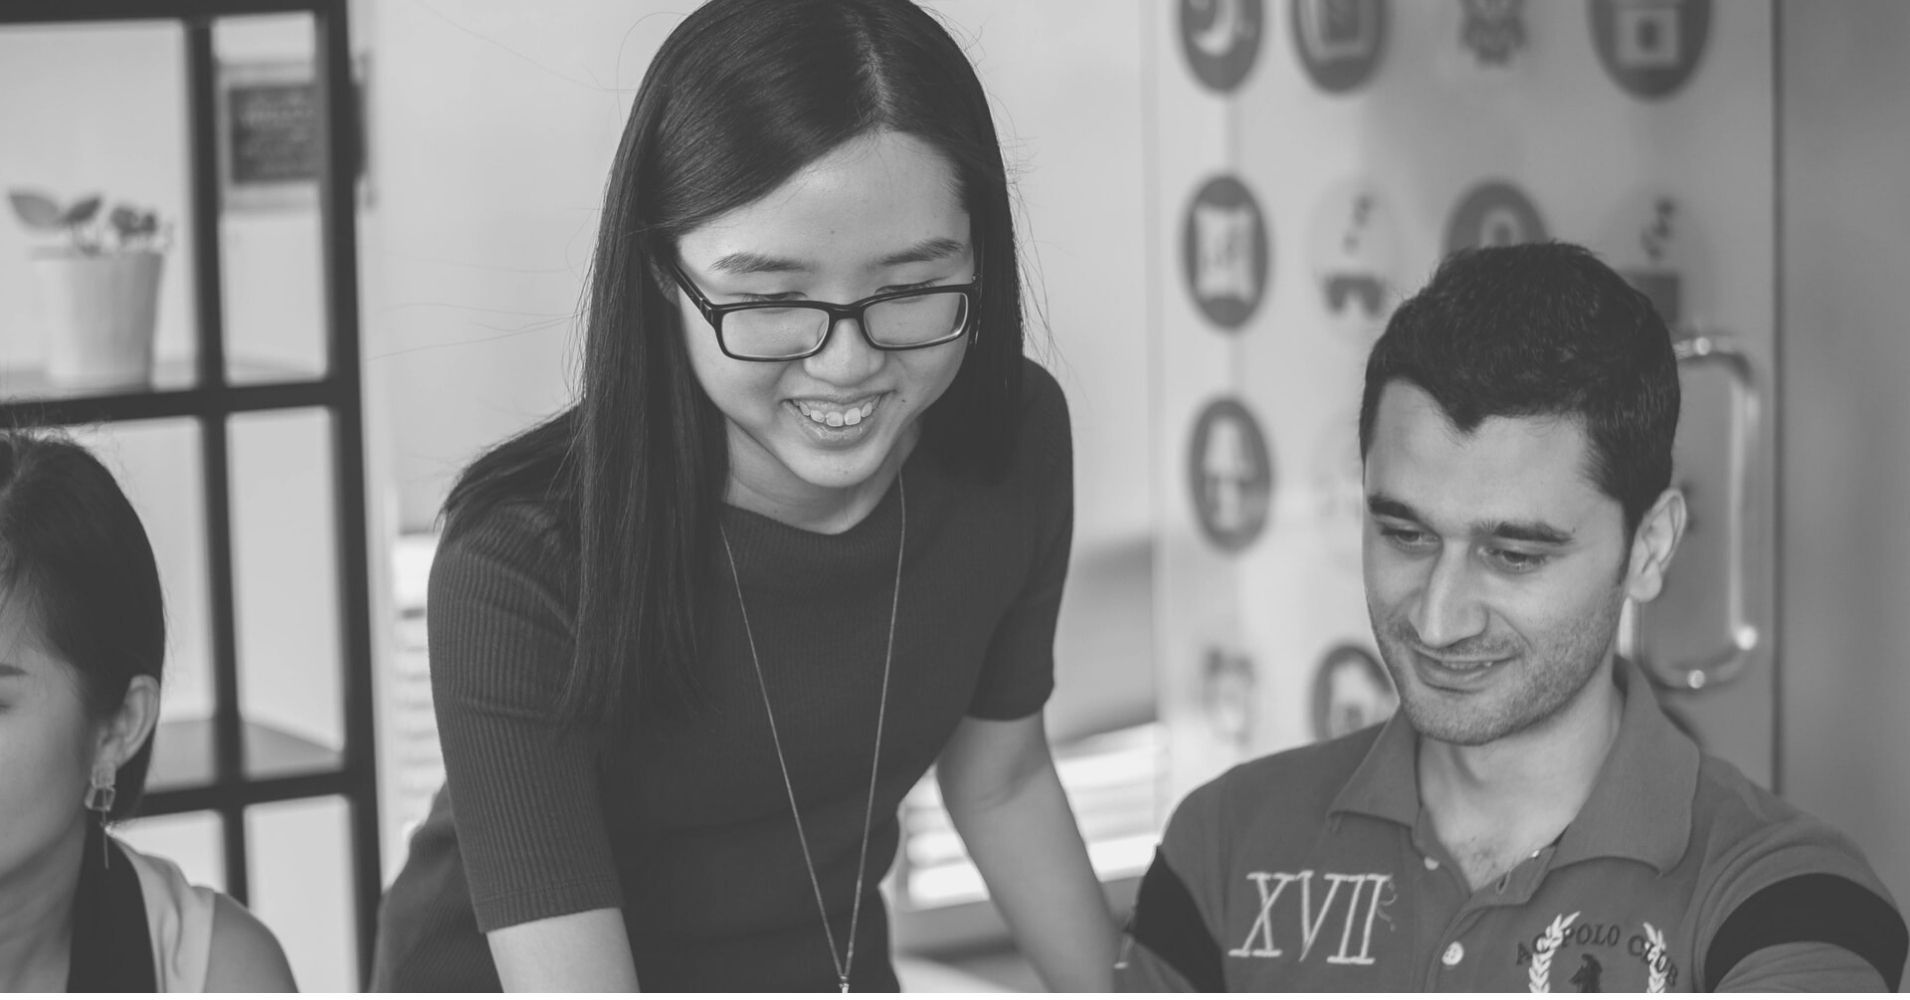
x: 1386, y: 784
x: 1640, y: 805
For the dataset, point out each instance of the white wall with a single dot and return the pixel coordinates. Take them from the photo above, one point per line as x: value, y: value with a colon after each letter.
x: 1844, y: 668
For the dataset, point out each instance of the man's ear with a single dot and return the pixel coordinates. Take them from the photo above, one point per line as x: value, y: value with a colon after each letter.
x: 126, y: 730
x: 1653, y: 545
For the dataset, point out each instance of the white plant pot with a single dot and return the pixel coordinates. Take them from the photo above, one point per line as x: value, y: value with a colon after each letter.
x: 100, y: 312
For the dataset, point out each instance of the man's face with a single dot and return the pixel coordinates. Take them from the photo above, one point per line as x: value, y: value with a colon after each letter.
x: 1495, y: 569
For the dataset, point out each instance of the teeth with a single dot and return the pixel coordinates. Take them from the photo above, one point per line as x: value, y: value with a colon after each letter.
x: 836, y: 418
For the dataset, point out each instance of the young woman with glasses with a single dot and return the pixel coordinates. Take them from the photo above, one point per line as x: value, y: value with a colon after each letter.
x: 802, y: 536
x: 82, y: 650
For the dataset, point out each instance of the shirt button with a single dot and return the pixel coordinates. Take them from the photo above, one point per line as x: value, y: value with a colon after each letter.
x: 1455, y: 953
x: 1432, y: 863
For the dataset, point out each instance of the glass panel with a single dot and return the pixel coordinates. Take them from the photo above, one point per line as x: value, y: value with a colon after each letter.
x: 190, y: 840
x: 269, y: 140
x: 301, y: 888
x: 93, y: 110
x: 285, y: 582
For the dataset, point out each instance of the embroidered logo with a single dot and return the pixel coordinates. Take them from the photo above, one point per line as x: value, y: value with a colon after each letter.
x: 1362, y: 907
x: 1657, y: 959
x: 1539, y: 977
x: 1593, y: 940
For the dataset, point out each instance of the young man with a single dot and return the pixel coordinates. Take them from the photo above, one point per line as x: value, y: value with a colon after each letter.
x: 1529, y: 819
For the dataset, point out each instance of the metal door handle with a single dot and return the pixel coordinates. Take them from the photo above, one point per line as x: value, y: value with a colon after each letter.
x: 1743, y: 596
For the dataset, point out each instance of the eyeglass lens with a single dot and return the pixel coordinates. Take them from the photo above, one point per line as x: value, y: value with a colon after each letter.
x: 773, y: 331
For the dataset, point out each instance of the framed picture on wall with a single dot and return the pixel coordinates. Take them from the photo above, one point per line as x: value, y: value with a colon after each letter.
x: 269, y: 135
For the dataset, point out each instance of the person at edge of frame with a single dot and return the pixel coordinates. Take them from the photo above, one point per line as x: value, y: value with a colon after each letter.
x: 1529, y: 819
x: 82, y: 655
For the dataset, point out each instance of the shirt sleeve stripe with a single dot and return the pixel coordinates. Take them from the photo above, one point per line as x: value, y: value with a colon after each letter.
x: 1816, y: 907
x: 1168, y: 922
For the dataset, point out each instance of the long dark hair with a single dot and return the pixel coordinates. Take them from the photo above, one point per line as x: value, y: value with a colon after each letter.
x: 743, y: 94
x: 73, y: 551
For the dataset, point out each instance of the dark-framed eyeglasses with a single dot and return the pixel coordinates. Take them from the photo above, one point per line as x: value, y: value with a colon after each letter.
x: 902, y: 320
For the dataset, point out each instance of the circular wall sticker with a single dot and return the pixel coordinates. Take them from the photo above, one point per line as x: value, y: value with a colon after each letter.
x: 1221, y: 39
x: 1229, y: 475
x: 1492, y: 30
x: 1650, y: 47
x: 1494, y: 214
x: 1350, y: 692
x: 1353, y: 251
x: 1654, y: 240
x: 1339, y: 42
x: 1224, y: 252
x: 1228, y: 683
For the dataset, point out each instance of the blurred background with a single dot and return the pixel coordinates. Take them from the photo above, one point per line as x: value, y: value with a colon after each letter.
x: 376, y: 216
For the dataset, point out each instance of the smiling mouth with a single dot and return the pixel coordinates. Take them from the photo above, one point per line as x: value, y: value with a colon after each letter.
x: 1442, y: 672
x: 834, y: 414
x: 1461, y: 666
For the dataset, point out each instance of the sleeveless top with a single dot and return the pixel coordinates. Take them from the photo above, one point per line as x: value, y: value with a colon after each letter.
x: 138, y: 925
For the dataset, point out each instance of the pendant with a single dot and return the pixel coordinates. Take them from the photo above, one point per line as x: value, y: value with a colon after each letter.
x: 844, y: 980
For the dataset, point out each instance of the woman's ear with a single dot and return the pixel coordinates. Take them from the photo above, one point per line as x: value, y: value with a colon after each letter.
x: 1653, y: 545
x: 129, y: 725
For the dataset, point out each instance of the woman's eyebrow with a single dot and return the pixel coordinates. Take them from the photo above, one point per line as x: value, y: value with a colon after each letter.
x: 750, y: 262
x: 937, y: 248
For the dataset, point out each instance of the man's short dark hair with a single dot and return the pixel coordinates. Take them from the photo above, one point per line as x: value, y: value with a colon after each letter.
x: 1541, y: 329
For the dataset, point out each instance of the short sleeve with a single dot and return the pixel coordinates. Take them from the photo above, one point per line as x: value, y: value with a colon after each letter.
x: 1017, y: 674
x: 1800, y: 909
x: 1805, y: 967
x: 1169, y: 944
x: 523, y: 787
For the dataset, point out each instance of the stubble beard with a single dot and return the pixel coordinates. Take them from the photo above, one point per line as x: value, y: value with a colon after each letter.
x: 1547, y: 677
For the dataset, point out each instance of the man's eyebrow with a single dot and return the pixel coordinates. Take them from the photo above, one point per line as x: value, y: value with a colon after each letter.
x: 9, y: 670
x: 1536, y: 532
x: 1381, y: 505
x: 1533, y: 532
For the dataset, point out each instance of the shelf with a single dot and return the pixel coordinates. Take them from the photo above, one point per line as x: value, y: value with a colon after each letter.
x: 27, y: 396
x: 278, y: 765
x: 225, y: 769
x: 54, y: 11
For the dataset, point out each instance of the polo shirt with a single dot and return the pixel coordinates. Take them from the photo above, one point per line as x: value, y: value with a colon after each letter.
x: 1317, y: 869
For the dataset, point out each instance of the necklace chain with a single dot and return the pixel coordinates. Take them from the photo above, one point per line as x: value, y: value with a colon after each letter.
x: 844, y: 962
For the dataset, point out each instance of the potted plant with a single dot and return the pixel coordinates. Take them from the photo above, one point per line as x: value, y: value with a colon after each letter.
x: 99, y: 285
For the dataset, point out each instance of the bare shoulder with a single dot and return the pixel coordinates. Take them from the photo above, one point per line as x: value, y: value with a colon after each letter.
x: 245, y: 956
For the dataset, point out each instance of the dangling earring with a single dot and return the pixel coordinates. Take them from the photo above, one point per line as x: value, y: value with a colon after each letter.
x: 99, y: 799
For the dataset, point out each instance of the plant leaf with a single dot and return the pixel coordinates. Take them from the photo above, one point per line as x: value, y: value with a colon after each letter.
x: 124, y: 219
x: 36, y: 210
x: 82, y: 210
